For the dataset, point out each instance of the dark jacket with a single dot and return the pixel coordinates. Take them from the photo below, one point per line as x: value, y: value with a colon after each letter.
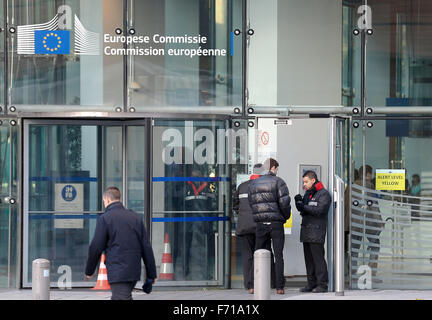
x: 269, y: 199
x: 198, y: 197
x: 121, y: 234
x: 245, y: 222
x: 316, y: 202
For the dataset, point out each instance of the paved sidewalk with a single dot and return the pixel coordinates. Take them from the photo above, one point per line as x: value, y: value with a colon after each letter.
x: 222, y: 294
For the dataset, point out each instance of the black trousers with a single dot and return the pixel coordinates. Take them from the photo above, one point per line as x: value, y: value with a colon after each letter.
x: 265, y: 236
x: 248, y: 249
x: 316, y: 266
x: 122, y: 290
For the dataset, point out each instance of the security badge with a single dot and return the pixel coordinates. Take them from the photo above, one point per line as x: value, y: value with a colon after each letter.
x: 313, y: 203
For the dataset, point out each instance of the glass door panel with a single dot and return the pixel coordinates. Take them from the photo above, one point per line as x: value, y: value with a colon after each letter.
x: 190, y: 183
x: 135, y: 156
x: 66, y: 168
x: 390, y: 220
x: 9, y: 202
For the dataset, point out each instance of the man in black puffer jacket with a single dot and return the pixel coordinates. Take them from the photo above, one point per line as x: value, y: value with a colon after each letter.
x: 313, y: 208
x: 270, y: 202
x: 245, y: 229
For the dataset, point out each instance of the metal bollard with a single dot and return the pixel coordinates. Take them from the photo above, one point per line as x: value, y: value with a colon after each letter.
x: 41, y: 279
x: 262, y: 274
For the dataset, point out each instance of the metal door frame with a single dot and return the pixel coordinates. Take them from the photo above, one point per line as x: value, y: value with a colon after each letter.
x: 148, y: 123
x: 25, y: 182
x: 333, y: 241
x: 336, y: 226
x: 223, y: 239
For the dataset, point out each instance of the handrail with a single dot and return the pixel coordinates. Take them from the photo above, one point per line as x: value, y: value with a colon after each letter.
x: 359, y: 187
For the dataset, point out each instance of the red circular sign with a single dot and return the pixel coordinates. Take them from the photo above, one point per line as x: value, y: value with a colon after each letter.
x: 265, y: 138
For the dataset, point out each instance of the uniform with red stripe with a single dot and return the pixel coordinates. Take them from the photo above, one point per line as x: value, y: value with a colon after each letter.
x: 316, y: 203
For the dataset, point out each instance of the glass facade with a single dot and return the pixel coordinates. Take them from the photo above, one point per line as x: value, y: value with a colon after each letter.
x: 64, y: 178
x: 9, y: 243
x: 389, y: 212
x: 111, y: 54
x: 390, y: 220
x: 176, y: 73
x: 166, y: 77
x: 398, y: 54
x: 41, y: 80
x: 190, y: 204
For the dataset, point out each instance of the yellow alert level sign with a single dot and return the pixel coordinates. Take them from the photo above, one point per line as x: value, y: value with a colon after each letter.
x: 390, y: 179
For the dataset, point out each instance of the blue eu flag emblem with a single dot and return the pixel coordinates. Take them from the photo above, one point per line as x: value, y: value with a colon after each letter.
x: 52, y: 41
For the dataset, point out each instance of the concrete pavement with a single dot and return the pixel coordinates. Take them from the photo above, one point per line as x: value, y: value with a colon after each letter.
x: 221, y: 294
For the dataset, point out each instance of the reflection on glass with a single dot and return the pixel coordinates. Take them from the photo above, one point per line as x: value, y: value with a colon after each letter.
x: 135, y: 168
x: 399, y: 55
x: 65, y: 185
x: 2, y: 73
x: 8, y: 212
x: 81, y: 75
x: 189, y: 201
x: 170, y: 75
x: 391, y: 222
x: 351, y: 60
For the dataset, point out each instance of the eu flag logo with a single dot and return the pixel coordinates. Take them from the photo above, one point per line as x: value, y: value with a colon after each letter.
x: 52, y: 41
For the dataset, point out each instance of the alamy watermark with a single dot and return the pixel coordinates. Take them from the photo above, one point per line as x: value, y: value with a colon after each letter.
x: 364, y: 22
x: 364, y: 282
x: 204, y: 146
x: 64, y: 282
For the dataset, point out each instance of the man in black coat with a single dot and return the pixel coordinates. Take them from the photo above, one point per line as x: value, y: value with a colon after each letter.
x: 246, y: 227
x: 270, y: 202
x: 313, y: 208
x: 121, y: 234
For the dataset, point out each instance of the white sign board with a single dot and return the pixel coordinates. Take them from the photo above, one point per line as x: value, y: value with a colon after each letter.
x: 69, y: 197
x: 266, y: 140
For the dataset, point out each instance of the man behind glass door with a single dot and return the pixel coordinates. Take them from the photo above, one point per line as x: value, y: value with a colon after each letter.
x: 199, y: 200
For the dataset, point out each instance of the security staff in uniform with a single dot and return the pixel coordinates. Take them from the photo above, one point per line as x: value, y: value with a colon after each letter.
x: 313, y: 207
x: 198, y: 201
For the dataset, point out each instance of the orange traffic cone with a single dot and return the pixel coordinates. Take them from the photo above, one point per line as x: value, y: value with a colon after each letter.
x: 167, y: 269
x: 102, y: 279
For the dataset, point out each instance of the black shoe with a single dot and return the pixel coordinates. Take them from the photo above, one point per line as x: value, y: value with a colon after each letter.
x: 320, y: 289
x: 307, y: 289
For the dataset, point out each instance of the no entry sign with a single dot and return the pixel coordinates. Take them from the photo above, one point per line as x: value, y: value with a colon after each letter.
x: 265, y: 138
